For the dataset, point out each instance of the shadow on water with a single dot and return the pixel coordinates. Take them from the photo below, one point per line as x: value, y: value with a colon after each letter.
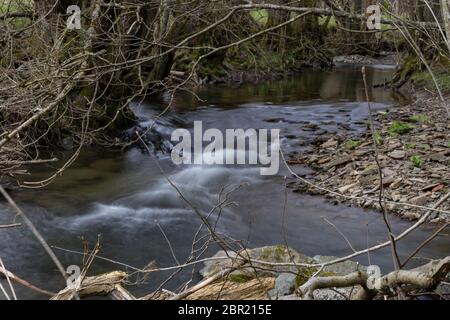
x: 124, y: 197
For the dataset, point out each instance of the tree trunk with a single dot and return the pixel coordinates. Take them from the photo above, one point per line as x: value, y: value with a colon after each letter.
x: 445, y: 5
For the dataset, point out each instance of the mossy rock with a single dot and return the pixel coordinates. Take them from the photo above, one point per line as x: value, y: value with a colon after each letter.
x: 341, y: 268
x: 273, y: 254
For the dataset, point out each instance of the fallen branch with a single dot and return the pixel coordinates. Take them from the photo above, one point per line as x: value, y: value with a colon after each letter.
x: 102, y: 285
x: 19, y: 280
x: 35, y: 232
x: 7, y: 226
x: 350, y: 280
x: 29, y: 162
x: 425, y: 277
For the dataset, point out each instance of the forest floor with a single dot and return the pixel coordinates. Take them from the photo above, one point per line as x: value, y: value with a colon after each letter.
x: 413, y: 143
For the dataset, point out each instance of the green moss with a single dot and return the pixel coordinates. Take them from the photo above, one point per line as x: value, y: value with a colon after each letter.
x: 240, y: 278
x: 352, y: 144
x: 260, y: 16
x: 417, y: 161
x: 12, y: 6
x: 426, y: 80
x: 325, y: 19
x: 398, y: 127
x: 409, y: 67
x: 378, y: 138
x: 410, y: 146
x: 276, y: 253
x: 280, y: 251
x: 419, y: 118
x: 304, y: 274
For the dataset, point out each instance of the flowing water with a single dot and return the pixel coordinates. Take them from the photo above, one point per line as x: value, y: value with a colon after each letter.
x: 125, y: 198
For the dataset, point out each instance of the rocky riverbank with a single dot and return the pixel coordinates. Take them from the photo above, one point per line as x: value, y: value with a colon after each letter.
x: 282, y: 273
x: 384, y: 58
x: 413, y: 143
x: 257, y: 281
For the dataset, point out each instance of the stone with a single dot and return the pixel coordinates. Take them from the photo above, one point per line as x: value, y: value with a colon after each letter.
x: 438, y: 157
x: 290, y: 297
x: 213, y: 266
x: 67, y: 143
x: 397, y: 183
x: 284, y: 285
x: 339, y: 161
x: 347, y: 187
x: 387, y: 181
x: 369, y: 170
x: 323, y: 160
x: 268, y: 254
x: 388, y: 172
x: 328, y: 294
x: 362, y: 152
x: 330, y: 144
x: 421, y: 200
x: 341, y: 268
x: 397, y: 154
x: 394, y: 143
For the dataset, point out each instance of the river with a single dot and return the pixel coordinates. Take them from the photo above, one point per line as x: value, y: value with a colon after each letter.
x: 125, y: 198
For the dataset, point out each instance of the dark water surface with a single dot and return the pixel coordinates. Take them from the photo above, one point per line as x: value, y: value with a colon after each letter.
x: 124, y: 196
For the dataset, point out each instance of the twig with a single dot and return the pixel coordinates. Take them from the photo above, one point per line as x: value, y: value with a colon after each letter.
x: 380, y: 175
x: 25, y: 283
x: 424, y: 243
x: 9, y: 280
x: 13, y: 225
x: 35, y: 232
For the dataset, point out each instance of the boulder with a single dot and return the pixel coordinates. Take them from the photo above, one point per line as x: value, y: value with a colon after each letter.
x: 341, y: 268
x: 284, y: 285
x: 274, y: 254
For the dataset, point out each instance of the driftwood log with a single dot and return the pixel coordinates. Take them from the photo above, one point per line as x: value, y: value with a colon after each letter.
x: 108, y: 284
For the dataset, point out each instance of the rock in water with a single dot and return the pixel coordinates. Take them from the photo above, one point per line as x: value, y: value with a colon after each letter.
x: 275, y: 254
x: 341, y: 268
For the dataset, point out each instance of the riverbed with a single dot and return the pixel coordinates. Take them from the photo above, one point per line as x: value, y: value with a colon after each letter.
x: 124, y: 197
